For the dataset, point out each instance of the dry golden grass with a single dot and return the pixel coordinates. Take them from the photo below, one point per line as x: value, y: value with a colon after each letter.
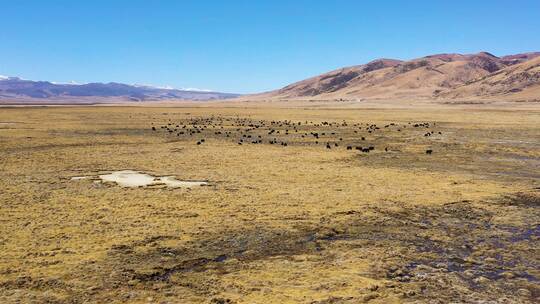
x: 295, y: 224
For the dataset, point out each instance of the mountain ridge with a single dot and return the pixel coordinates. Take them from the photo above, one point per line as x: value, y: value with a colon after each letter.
x: 17, y: 89
x: 430, y: 77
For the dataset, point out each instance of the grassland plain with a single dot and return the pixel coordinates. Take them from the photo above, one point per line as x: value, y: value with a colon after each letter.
x: 277, y: 224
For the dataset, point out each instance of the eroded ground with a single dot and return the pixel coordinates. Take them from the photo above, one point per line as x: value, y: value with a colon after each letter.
x: 277, y: 224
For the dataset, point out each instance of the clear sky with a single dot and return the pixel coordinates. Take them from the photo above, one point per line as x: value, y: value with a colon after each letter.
x: 245, y: 46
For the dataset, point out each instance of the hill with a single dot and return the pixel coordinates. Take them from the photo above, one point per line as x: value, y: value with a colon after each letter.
x: 520, y: 81
x: 434, y: 76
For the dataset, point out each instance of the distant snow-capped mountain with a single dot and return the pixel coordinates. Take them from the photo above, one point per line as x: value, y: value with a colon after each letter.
x: 14, y: 88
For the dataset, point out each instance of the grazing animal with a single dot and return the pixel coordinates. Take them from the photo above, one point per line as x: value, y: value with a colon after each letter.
x: 429, y: 151
x: 349, y: 148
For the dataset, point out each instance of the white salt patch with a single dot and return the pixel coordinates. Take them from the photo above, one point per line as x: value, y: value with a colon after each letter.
x: 172, y: 182
x: 80, y: 177
x: 129, y: 178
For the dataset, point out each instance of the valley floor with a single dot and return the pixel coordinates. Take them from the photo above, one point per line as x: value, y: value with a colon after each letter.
x: 300, y: 223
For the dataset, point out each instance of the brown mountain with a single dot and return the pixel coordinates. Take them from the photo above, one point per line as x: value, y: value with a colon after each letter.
x: 334, y: 81
x: 520, y: 81
x: 434, y: 76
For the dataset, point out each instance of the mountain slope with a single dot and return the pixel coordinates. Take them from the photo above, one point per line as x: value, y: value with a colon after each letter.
x: 13, y: 88
x: 422, y: 78
x: 518, y: 81
x: 334, y: 80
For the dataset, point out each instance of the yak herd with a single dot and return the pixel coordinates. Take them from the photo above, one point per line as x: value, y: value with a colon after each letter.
x: 284, y: 132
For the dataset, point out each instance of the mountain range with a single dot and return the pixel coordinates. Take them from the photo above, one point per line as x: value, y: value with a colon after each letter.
x: 17, y: 90
x: 480, y: 76
x: 441, y: 76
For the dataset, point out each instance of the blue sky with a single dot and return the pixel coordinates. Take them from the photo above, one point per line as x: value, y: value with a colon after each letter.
x: 245, y: 46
